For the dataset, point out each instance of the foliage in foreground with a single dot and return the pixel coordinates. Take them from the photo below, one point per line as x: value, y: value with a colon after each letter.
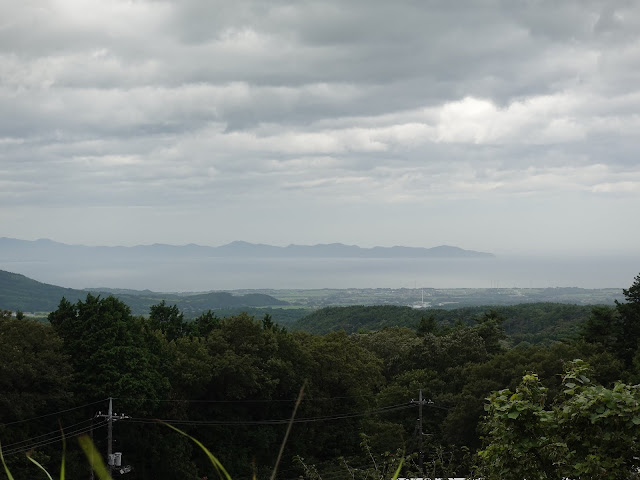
x: 590, y: 431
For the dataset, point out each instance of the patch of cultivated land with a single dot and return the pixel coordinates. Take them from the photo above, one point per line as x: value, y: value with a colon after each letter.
x: 441, y: 298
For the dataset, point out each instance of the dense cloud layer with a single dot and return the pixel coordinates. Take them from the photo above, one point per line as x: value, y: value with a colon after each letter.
x: 493, y: 125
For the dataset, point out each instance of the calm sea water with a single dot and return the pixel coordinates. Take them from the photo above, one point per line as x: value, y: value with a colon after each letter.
x: 227, y: 274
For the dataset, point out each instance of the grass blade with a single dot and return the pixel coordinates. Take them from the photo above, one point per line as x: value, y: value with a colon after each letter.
x: 395, y: 475
x: 6, y: 469
x: 64, y: 455
x: 286, y: 435
x: 36, y: 463
x: 222, y: 472
x: 94, y: 457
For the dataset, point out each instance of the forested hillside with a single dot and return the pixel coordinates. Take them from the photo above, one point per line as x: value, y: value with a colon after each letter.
x: 232, y: 382
x: 19, y: 293
x: 528, y: 322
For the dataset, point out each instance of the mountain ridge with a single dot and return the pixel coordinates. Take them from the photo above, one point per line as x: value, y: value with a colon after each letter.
x: 12, y: 249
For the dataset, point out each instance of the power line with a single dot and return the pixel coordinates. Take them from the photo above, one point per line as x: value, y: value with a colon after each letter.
x: 293, y: 400
x: 54, y: 432
x: 57, y: 439
x: 229, y: 422
x: 279, y: 421
x: 51, y: 414
x: 43, y: 440
x: 432, y: 405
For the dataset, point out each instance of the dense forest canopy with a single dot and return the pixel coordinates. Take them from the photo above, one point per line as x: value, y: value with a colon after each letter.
x: 527, y: 322
x: 232, y: 382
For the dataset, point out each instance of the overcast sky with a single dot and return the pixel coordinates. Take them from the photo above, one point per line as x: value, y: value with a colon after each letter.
x: 503, y: 126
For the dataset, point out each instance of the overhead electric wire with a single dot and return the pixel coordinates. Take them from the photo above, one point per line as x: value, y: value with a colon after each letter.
x: 292, y: 400
x: 280, y: 421
x: 54, y: 432
x: 57, y: 439
x: 61, y: 435
x: 51, y: 414
x: 391, y: 408
x: 448, y: 409
x: 25, y: 445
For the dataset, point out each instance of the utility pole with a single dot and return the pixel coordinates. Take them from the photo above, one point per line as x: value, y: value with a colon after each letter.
x: 110, y: 416
x: 420, y: 454
x: 420, y: 403
x: 110, y: 437
x: 92, y: 442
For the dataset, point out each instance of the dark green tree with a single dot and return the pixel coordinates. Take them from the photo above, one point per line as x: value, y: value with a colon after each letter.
x: 204, y: 324
x: 632, y: 294
x: 35, y: 380
x: 267, y: 322
x: 604, y: 328
x: 617, y: 330
x: 489, y: 327
x: 629, y: 313
x: 108, y: 349
x: 168, y: 319
x: 427, y: 325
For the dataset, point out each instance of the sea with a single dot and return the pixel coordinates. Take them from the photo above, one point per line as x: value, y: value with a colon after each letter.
x: 218, y: 273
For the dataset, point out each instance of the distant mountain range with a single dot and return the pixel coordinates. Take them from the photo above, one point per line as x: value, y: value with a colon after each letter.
x: 14, y: 250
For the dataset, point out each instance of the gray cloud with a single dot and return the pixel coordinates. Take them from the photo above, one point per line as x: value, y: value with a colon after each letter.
x: 319, y: 112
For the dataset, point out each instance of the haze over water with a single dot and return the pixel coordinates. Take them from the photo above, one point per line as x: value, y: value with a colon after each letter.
x: 216, y: 273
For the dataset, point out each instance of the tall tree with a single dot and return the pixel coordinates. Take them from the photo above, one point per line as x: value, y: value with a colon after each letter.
x: 35, y: 379
x: 629, y: 313
x: 204, y: 324
x: 617, y: 330
x: 109, y: 350
x: 168, y: 319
